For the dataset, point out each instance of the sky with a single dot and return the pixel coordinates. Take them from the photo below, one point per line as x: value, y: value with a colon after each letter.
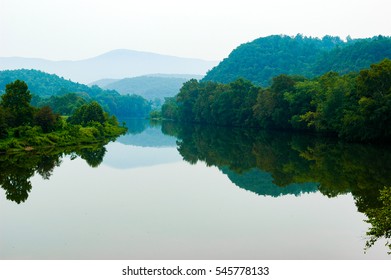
x: 206, y: 29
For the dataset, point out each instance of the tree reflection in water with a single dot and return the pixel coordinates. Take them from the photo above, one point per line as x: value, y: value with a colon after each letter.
x: 277, y: 163
x: 265, y: 163
x: 17, y: 169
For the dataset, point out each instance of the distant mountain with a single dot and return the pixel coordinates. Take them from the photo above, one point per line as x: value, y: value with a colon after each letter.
x: 129, y: 157
x: 116, y: 64
x: 142, y: 134
x: 264, y: 58
x: 150, y: 87
x: 103, y: 82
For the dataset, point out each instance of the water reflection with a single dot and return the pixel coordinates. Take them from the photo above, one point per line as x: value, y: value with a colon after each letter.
x: 17, y: 169
x: 276, y: 164
x: 266, y: 164
x: 145, y: 133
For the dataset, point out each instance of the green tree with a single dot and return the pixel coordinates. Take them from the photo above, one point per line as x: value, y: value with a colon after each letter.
x: 380, y: 219
x: 264, y: 107
x: 271, y: 108
x: 16, y: 100
x: 186, y: 99
x: 301, y: 107
x: 88, y: 113
x: 369, y: 118
x: 3, y: 123
x: 46, y: 119
x: 170, y: 109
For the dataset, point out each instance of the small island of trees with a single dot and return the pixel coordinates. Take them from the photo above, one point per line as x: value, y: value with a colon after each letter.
x: 25, y: 127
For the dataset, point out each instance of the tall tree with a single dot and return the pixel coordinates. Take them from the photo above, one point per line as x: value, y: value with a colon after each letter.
x: 16, y: 100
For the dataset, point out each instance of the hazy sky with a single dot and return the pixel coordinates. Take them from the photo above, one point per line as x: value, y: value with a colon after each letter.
x: 208, y: 29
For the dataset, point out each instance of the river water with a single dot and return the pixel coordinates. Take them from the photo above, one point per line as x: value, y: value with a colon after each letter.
x: 172, y: 192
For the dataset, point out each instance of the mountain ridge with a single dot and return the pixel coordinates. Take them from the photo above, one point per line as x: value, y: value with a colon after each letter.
x: 151, y: 87
x: 115, y: 64
x: 264, y: 58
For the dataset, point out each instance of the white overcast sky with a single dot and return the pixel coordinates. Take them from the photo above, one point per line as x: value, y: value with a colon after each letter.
x: 208, y: 29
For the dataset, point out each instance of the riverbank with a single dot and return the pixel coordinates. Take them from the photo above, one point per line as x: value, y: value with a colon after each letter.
x: 26, y: 138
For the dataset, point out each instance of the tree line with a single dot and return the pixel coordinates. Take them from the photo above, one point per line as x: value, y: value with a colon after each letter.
x: 354, y: 106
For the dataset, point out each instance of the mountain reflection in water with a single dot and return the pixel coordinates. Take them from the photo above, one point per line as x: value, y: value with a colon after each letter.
x: 265, y: 163
x: 277, y: 163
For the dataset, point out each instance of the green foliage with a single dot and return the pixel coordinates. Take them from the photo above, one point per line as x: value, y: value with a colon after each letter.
x: 155, y: 115
x: 89, y: 123
x: 264, y: 58
x: 369, y: 118
x: 63, y: 104
x: 209, y: 102
x: 16, y: 95
x: 354, y: 55
x: 170, y: 109
x: 41, y: 83
x: 16, y: 101
x: 16, y: 169
x: 355, y: 107
x: 3, y: 123
x: 46, y: 119
x: 87, y: 114
x: 380, y: 220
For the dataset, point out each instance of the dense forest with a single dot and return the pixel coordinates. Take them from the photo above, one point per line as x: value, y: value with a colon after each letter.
x: 25, y: 127
x: 264, y: 58
x: 354, y: 106
x: 64, y: 96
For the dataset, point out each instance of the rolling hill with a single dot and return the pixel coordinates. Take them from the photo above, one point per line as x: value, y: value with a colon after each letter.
x: 52, y: 90
x: 264, y: 58
x: 157, y: 86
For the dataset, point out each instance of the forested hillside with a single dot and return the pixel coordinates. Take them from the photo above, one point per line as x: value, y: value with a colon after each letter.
x: 44, y: 84
x: 64, y: 95
x: 264, y: 58
x: 354, y: 106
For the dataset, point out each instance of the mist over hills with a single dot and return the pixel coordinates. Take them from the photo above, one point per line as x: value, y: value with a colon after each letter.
x: 116, y: 64
x: 154, y: 86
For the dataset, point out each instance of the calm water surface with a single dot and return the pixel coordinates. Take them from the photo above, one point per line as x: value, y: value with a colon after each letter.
x: 194, y: 193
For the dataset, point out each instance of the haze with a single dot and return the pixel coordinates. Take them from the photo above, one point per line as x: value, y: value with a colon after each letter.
x: 74, y: 29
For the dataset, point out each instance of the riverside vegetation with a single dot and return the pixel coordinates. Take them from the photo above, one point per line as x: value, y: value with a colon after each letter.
x: 25, y: 127
x: 353, y: 107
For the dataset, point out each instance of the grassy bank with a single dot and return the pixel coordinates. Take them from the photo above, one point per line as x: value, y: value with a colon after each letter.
x: 27, y: 138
